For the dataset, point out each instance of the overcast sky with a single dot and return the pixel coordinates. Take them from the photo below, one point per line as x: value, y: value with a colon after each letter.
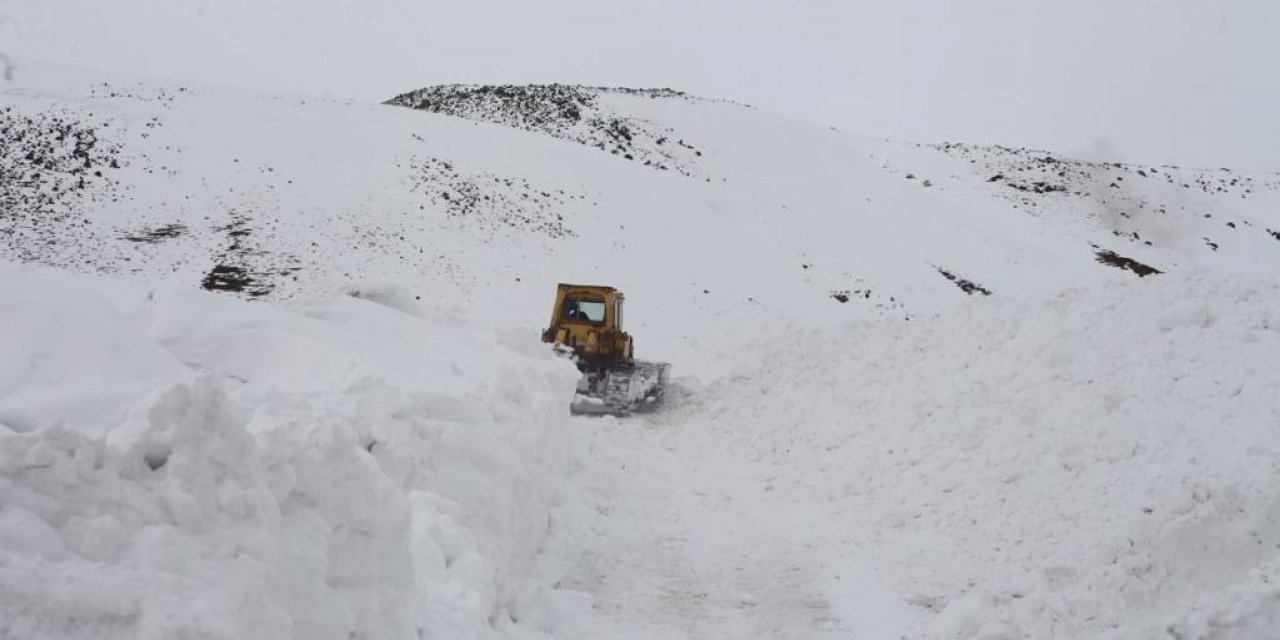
x: 1188, y: 82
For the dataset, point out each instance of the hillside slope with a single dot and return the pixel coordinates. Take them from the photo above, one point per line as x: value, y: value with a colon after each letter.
x: 285, y: 196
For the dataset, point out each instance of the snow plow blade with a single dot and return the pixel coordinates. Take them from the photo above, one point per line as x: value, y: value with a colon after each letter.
x: 635, y: 388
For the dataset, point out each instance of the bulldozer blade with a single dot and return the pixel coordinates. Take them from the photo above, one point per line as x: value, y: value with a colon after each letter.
x: 623, y: 391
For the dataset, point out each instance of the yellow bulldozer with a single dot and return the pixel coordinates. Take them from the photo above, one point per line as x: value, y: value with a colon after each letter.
x: 586, y: 325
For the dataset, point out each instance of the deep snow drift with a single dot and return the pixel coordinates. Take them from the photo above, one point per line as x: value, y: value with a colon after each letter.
x: 178, y: 464
x: 936, y: 391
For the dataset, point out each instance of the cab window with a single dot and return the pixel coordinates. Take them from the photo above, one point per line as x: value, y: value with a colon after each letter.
x: 584, y: 310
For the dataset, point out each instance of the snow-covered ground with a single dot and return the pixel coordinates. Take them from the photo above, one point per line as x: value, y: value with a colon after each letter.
x: 178, y: 464
x: 278, y: 374
x: 1102, y: 465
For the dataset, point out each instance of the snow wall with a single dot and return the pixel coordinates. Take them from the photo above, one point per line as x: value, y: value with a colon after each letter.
x: 181, y: 464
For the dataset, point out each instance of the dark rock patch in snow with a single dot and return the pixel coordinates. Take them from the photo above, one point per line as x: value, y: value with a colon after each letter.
x: 1134, y: 202
x: 1131, y: 235
x: 235, y: 279
x: 244, y: 267
x: 489, y: 201
x: 1039, y: 186
x: 158, y: 234
x: 1128, y: 264
x: 138, y: 92
x: 881, y: 304
x: 53, y: 167
x: 1036, y: 171
x: 568, y: 112
x: 968, y: 286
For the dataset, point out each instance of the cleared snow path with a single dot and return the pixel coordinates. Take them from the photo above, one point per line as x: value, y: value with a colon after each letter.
x: 1000, y: 471
x: 690, y: 541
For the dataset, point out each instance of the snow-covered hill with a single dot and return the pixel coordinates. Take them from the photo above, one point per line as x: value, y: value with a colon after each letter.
x: 924, y: 390
x: 283, y: 196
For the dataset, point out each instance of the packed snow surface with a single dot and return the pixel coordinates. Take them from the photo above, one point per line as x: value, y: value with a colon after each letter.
x: 270, y: 369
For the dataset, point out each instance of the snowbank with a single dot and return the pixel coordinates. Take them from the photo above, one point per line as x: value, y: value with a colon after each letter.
x: 1103, y: 465
x: 179, y: 464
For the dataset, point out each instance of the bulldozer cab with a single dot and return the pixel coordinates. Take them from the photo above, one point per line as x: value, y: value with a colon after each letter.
x: 588, y: 320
